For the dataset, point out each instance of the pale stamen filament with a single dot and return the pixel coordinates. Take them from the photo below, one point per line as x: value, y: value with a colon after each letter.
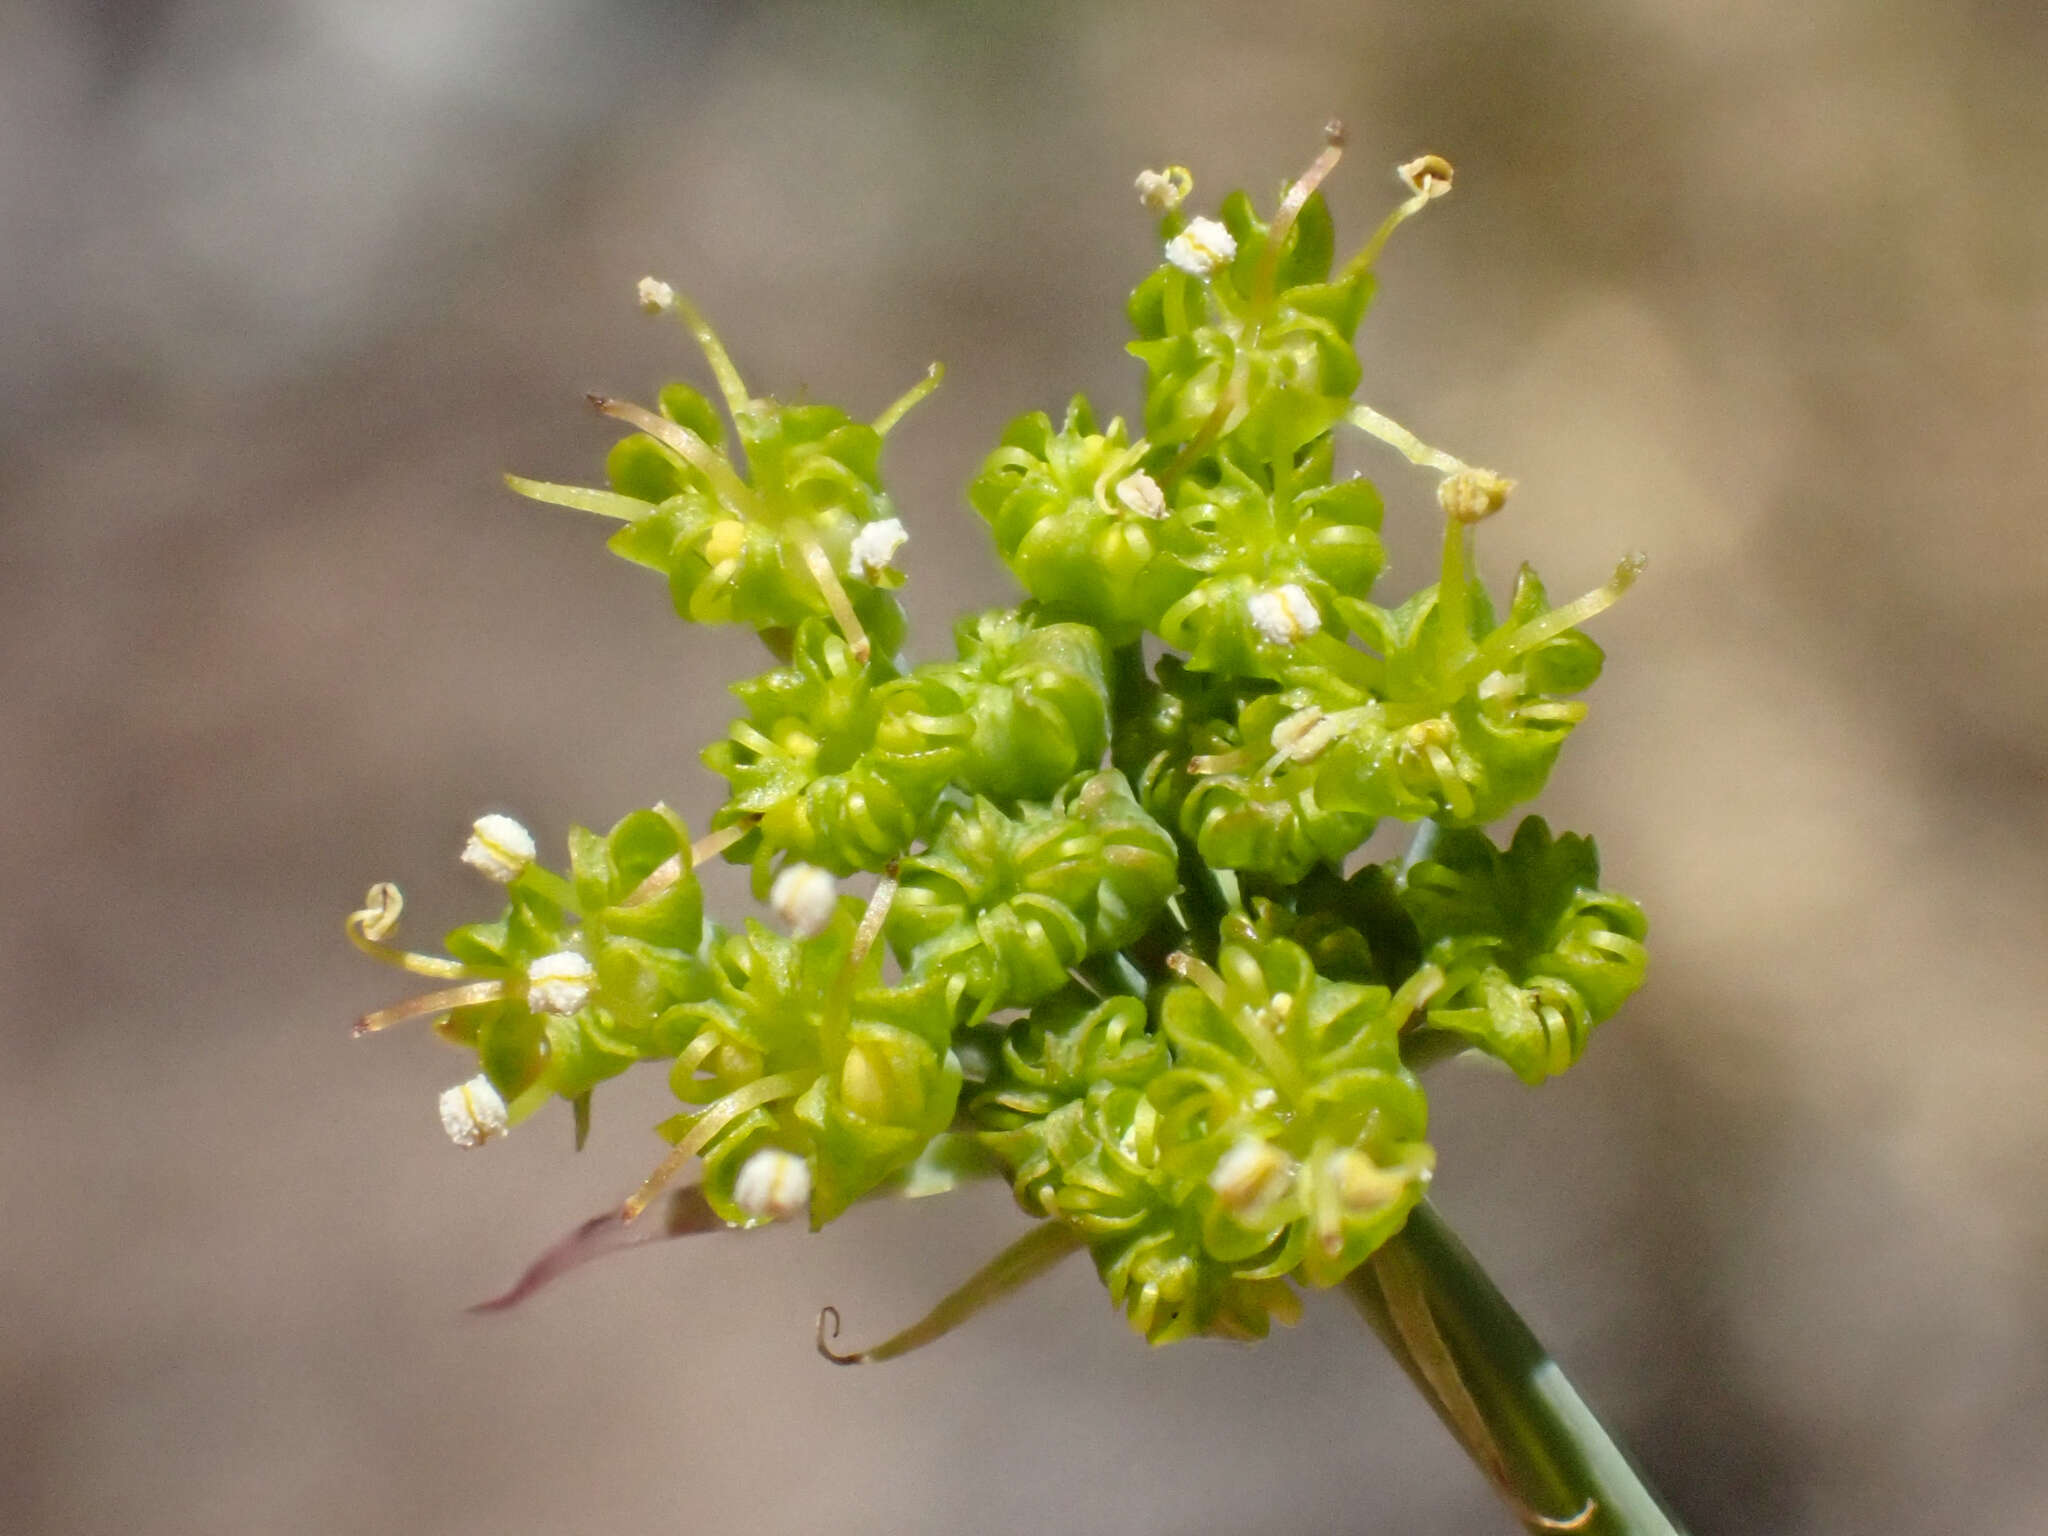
x: 834, y: 593
x: 903, y: 403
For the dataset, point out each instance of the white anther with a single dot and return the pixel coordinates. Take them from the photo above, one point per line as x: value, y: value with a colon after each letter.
x: 473, y: 1112
x: 1497, y: 687
x: 498, y: 848
x: 1263, y: 1098
x: 1140, y: 493
x: 875, y: 546
x: 1253, y: 1173
x: 804, y: 897
x: 1160, y: 191
x: 773, y: 1185
x: 1201, y: 248
x: 655, y: 295
x: 1284, y: 614
x: 559, y: 983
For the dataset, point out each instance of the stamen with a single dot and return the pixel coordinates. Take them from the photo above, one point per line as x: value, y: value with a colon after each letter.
x: 1428, y: 178
x: 877, y: 914
x: 1163, y: 191
x: 498, y: 848
x: 473, y: 1113
x: 697, y: 453
x: 874, y: 547
x: 1404, y: 442
x: 836, y: 599
x: 715, y: 842
x: 431, y: 1003
x: 1292, y: 204
x: 901, y: 406
x: 763, y: 1090
x: 737, y: 400
x: 378, y: 920
x: 1201, y: 248
x: 773, y: 1185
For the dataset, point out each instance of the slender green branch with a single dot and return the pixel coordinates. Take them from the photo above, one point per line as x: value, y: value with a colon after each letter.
x: 1497, y: 1391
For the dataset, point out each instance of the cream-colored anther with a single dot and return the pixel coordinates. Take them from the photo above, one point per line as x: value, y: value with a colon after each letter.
x: 874, y: 547
x: 498, y: 848
x: 473, y: 1112
x: 773, y: 1185
x: 1201, y: 248
x: 559, y: 983
x: 1283, y: 614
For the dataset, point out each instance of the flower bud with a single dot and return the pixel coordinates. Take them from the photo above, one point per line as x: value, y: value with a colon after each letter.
x: 473, y: 1112
x: 1201, y: 248
x: 1284, y: 614
x: 804, y: 897
x: 773, y: 1185
x: 498, y: 848
x: 875, y: 546
x: 559, y: 983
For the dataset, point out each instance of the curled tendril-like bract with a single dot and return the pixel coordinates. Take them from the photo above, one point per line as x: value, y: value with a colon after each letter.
x: 835, y: 763
x: 804, y: 1047
x: 1534, y: 952
x: 1002, y: 906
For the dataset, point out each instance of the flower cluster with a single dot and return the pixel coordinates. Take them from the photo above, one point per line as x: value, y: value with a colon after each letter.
x: 1107, y: 931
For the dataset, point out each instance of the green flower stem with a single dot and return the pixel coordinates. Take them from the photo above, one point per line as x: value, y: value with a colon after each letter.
x: 1497, y: 1390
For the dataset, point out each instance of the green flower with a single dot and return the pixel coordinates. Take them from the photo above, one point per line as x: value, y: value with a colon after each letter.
x: 797, y: 526
x: 1288, y: 1124
x: 802, y: 1048
x: 1534, y: 952
x: 1244, y: 330
x: 1032, y: 703
x: 579, y: 977
x: 1278, y: 549
x: 1002, y: 906
x: 834, y: 763
x: 1081, y: 524
x: 1244, y: 808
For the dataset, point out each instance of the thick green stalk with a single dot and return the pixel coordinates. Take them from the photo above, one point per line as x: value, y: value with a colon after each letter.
x: 1497, y: 1391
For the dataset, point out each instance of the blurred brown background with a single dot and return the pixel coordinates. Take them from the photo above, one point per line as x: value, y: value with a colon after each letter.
x: 284, y: 288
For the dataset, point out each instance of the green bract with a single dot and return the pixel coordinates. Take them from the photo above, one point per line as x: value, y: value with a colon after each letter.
x: 1113, y: 937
